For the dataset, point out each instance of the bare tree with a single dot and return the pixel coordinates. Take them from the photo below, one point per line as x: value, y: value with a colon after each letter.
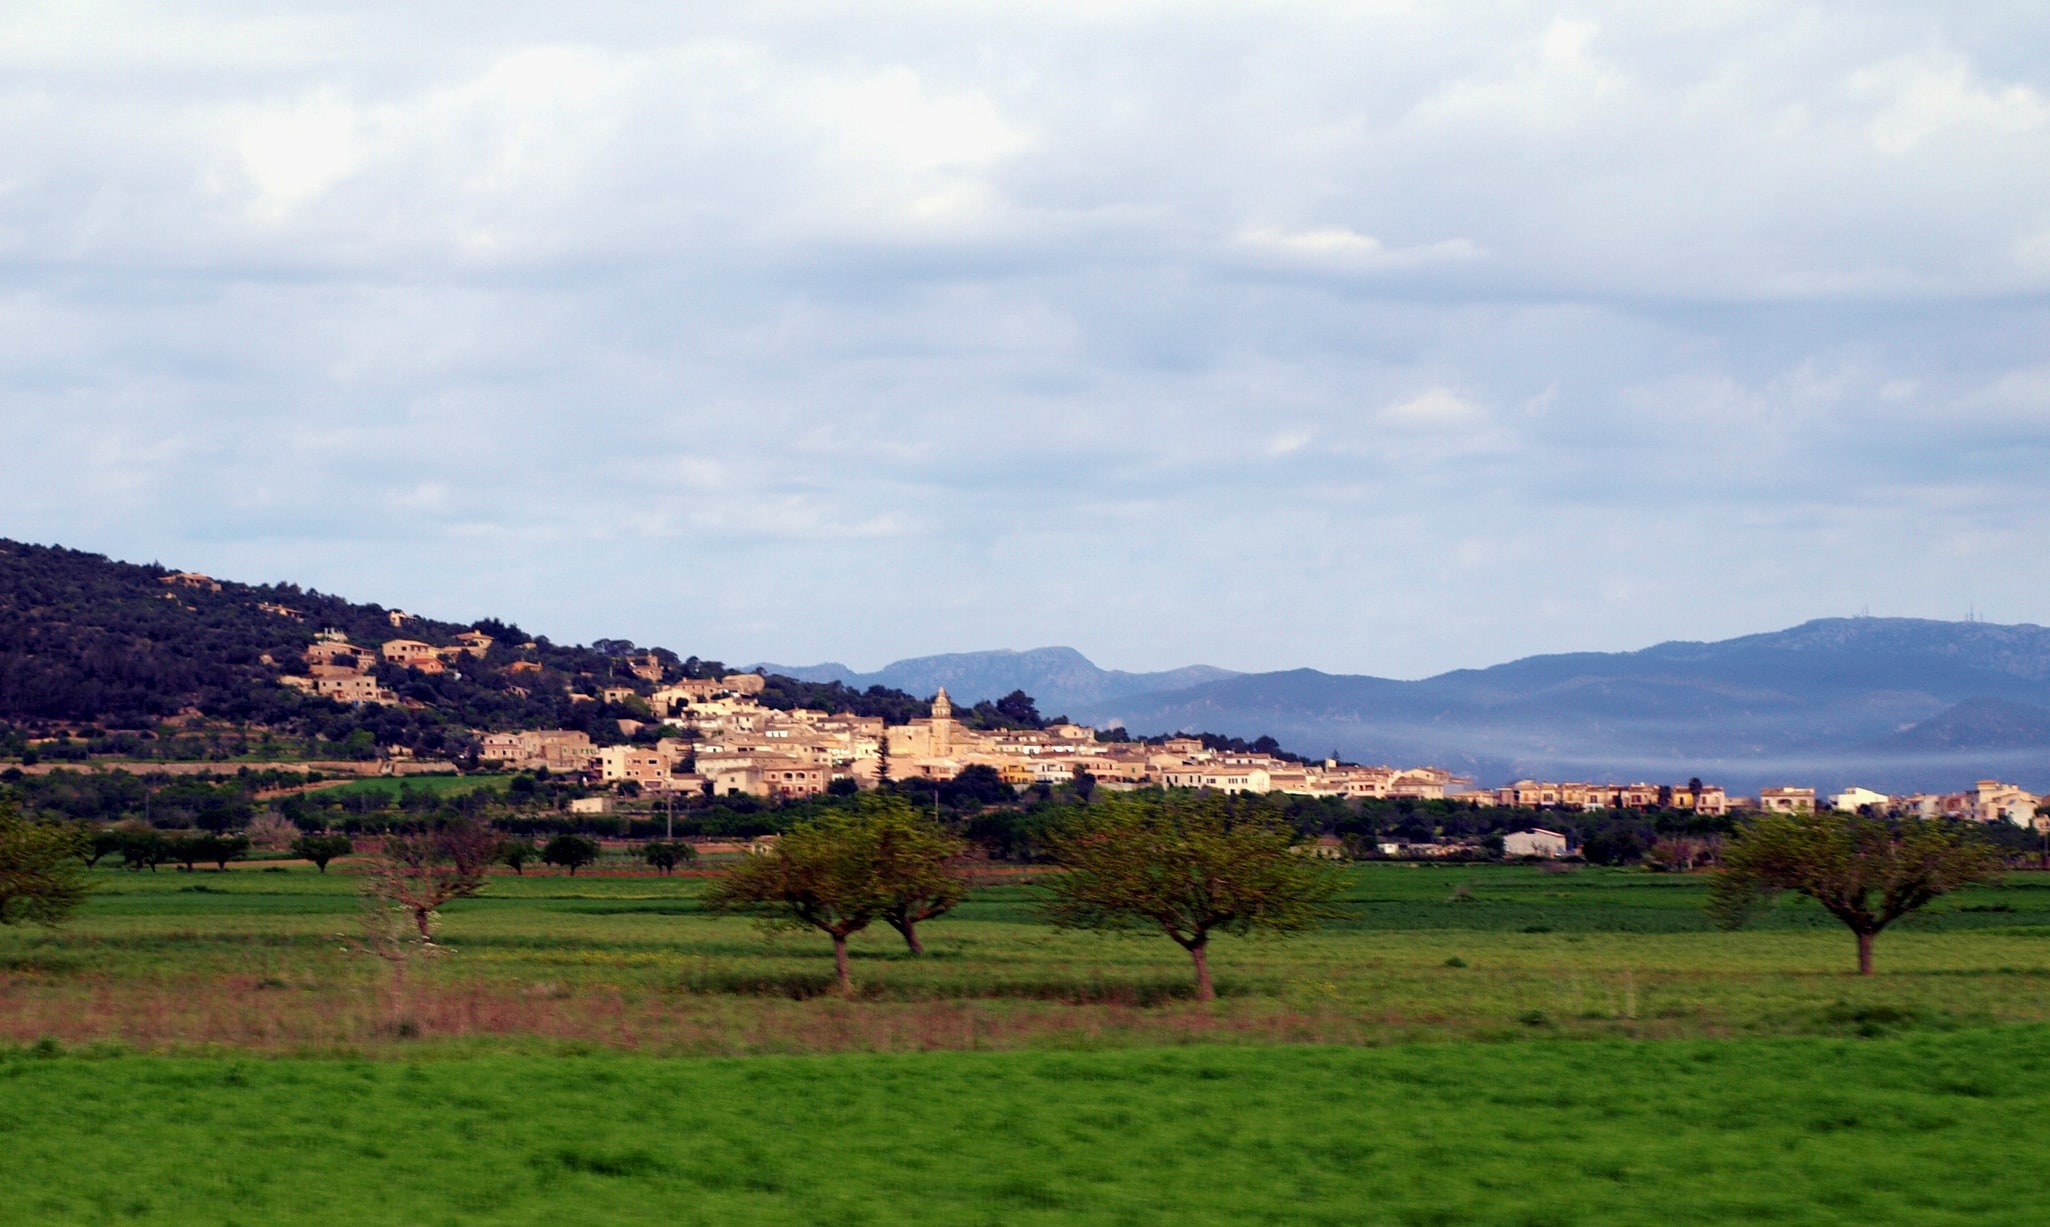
x: 407, y: 882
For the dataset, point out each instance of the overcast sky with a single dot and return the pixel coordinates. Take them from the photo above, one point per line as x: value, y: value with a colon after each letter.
x: 1374, y: 337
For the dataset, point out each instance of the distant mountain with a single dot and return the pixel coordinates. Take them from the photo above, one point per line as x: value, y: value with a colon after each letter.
x: 1895, y: 703
x: 1976, y: 725
x: 1061, y: 679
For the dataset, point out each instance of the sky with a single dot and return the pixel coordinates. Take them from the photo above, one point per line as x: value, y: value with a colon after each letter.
x: 1374, y: 337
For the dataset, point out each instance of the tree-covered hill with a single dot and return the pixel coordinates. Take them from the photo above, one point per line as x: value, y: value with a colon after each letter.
x: 105, y: 649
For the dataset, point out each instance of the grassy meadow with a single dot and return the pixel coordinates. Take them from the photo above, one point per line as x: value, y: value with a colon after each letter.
x: 1478, y: 1044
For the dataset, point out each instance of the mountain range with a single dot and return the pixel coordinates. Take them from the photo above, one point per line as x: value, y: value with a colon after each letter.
x: 1061, y: 679
x: 1898, y: 704
x: 1895, y: 704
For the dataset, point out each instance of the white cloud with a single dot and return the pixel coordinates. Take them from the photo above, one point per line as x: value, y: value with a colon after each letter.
x: 1923, y: 96
x: 904, y: 303
x: 1338, y: 249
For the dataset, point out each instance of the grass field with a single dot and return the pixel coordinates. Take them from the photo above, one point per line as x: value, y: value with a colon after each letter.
x: 1479, y: 1044
x: 1919, y: 1129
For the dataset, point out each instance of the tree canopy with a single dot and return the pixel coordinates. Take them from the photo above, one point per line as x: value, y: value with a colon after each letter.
x: 42, y: 868
x: 1865, y: 871
x: 1189, y: 865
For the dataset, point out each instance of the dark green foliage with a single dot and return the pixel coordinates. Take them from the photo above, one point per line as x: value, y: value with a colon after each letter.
x: 42, y: 868
x: 320, y: 849
x: 515, y: 853
x: 571, y: 852
x: 666, y: 856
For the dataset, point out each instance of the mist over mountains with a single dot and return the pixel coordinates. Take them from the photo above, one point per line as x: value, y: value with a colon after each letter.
x: 1061, y: 679
x: 1899, y: 704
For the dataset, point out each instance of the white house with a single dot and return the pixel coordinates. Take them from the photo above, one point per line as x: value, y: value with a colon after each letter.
x: 1535, y: 842
x: 1851, y: 799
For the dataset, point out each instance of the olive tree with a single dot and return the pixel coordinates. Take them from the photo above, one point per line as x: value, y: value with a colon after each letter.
x: 664, y: 856
x: 42, y: 868
x: 1866, y: 872
x: 916, y: 864
x: 820, y: 875
x: 570, y: 852
x: 322, y: 848
x: 1190, y: 866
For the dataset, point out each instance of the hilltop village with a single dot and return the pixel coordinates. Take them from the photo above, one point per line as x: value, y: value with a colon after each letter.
x: 712, y: 736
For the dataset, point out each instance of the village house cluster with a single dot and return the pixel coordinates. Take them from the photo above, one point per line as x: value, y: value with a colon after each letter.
x: 723, y: 741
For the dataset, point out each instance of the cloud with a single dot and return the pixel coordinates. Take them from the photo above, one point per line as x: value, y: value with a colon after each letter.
x: 1105, y: 324
x: 1336, y: 248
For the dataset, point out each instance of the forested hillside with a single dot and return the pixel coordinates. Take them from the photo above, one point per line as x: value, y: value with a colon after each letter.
x: 113, y: 655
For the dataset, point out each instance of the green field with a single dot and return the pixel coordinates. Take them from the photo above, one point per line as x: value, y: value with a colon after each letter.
x: 1478, y: 1044
x: 1923, y: 1129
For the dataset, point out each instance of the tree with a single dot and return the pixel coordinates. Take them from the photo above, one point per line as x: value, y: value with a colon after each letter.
x: 1018, y: 706
x: 1866, y: 872
x: 1190, y: 865
x: 515, y: 853
x: 819, y: 875
x: 220, y: 849
x: 419, y: 873
x: 915, y: 864
x: 570, y: 852
x: 666, y: 856
x: 322, y: 848
x: 42, y: 868
x: 142, y: 847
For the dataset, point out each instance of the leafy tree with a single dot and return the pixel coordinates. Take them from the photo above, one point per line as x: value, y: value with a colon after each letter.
x: 820, y: 875
x: 142, y: 847
x: 666, y: 856
x: 1192, y: 865
x: 1018, y: 706
x: 220, y: 849
x: 1866, y: 872
x: 570, y: 852
x: 42, y: 868
x: 322, y: 848
x: 515, y: 853
x: 914, y: 864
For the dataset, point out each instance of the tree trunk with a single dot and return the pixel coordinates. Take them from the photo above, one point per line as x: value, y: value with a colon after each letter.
x: 909, y: 930
x: 420, y: 921
x: 1200, y: 952
x: 1864, y: 954
x: 840, y: 964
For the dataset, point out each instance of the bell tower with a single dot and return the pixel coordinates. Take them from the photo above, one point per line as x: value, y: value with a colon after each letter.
x: 942, y: 724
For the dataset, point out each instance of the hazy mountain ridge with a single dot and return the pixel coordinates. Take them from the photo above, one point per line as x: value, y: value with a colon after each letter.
x: 1060, y: 678
x: 1893, y: 702
x: 1830, y: 701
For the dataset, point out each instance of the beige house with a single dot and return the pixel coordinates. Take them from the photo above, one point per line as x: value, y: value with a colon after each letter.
x: 565, y: 751
x: 346, y: 687
x: 1787, y: 800
x: 408, y: 652
x: 1993, y: 801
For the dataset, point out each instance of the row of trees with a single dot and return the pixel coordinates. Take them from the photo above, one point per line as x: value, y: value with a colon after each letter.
x: 1185, y: 865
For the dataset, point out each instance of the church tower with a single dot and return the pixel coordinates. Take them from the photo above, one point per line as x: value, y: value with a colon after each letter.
x: 942, y: 724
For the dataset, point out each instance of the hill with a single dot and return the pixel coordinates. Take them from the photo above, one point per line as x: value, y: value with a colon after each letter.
x: 123, y: 656
x: 1896, y: 703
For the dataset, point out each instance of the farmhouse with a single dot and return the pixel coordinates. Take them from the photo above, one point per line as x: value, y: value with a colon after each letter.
x: 1537, y: 841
